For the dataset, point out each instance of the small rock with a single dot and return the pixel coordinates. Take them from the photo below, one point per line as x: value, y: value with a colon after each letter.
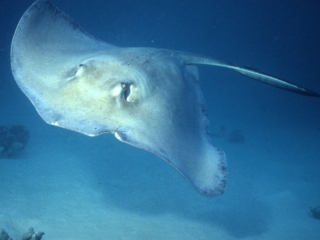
x: 315, y: 211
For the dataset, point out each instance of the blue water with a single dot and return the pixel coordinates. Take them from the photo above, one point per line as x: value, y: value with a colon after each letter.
x: 75, y: 187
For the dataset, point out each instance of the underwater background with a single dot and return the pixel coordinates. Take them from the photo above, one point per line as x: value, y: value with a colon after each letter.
x: 75, y: 187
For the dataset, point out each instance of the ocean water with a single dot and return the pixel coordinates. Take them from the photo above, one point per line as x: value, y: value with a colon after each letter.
x: 76, y: 187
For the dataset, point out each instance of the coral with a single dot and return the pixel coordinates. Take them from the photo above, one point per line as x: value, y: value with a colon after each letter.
x: 13, y: 139
x: 4, y: 235
x: 30, y: 235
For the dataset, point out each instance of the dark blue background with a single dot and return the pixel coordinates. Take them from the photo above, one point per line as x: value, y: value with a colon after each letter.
x: 277, y: 37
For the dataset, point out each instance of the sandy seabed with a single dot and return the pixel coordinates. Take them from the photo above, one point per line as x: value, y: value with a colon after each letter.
x: 76, y: 187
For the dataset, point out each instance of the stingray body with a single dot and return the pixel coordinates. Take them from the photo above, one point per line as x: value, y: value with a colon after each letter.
x: 148, y: 98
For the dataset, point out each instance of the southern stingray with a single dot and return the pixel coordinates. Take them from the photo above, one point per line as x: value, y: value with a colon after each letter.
x: 149, y: 98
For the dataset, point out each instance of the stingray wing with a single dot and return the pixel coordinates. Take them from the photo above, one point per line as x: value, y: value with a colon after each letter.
x: 46, y: 50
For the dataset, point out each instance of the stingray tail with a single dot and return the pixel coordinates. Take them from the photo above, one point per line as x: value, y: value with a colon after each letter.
x: 273, y: 81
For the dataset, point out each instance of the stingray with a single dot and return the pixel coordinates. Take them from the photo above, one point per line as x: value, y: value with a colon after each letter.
x: 149, y: 98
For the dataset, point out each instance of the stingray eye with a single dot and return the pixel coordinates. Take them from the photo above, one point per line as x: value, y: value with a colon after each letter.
x: 125, y: 90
